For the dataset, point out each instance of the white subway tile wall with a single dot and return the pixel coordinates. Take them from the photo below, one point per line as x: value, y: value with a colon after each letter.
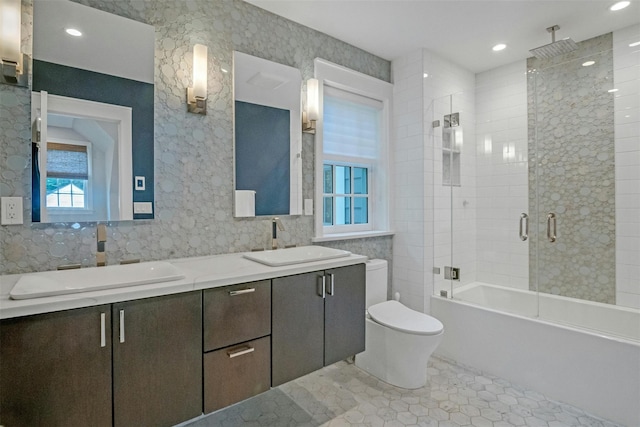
x: 626, y: 75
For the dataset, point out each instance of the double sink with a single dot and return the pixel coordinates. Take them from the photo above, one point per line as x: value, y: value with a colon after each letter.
x: 50, y: 283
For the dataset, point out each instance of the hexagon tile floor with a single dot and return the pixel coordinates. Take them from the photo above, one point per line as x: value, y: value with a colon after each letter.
x: 343, y: 395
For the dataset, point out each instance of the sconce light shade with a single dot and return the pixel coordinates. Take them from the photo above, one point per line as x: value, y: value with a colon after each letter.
x: 310, y: 116
x: 197, y: 95
x: 11, y: 59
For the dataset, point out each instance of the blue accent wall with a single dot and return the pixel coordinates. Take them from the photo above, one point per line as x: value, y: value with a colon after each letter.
x: 262, y: 153
x: 82, y: 84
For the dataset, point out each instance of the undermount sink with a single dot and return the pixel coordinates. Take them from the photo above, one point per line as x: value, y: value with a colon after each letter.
x: 49, y: 283
x: 296, y: 255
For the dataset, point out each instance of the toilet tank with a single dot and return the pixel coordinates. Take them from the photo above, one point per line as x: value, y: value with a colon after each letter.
x: 376, y: 281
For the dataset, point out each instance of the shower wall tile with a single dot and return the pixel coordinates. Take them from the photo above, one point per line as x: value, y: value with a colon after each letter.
x: 571, y: 122
x: 193, y: 154
x: 626, y: 74
x: 502, y: 187
x: 409, y: 260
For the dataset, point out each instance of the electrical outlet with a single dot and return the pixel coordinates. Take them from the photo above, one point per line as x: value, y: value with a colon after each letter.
x: 11, y: 210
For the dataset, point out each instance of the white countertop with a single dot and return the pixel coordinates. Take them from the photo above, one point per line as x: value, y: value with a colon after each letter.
x: 200, y: 273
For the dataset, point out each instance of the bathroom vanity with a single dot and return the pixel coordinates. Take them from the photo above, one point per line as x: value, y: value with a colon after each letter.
x: 161, y: 354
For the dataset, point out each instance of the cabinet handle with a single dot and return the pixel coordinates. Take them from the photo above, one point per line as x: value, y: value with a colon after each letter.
x: 332, y: 280
x: 103, y: 332
x: 242, y: 291
x: 121, y: 326
x: 239, y: 352
x: 324, y: 286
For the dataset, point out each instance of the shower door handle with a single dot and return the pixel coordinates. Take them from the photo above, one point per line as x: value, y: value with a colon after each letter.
x: 551, y: 227
x: 524, y: 226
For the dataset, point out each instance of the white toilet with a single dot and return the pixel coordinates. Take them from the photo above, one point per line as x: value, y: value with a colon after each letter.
x: 398, y: 340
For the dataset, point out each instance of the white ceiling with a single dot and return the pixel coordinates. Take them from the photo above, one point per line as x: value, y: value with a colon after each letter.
x: 462, y: 31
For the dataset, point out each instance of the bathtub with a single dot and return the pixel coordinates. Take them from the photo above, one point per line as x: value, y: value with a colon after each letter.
x: 582, y: 353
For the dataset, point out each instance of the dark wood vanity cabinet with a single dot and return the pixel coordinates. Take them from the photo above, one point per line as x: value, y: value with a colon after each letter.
x: 317, y: 319
x: 237, y: 345
x: 136, y: 363
x: 164, y: 360
x: 55, y: 369
x: 157, y: 360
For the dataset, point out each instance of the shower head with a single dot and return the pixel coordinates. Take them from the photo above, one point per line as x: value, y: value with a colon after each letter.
x: 554, y: 48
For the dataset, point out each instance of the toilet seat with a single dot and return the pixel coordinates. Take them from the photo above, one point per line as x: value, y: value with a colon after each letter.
x: 399, y: 317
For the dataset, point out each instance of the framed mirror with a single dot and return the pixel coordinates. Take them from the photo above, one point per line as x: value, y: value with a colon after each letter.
x: 87, y: 62
x: 267, y: 137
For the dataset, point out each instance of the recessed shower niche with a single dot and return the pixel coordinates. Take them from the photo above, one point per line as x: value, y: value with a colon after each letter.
x: 451, y: 146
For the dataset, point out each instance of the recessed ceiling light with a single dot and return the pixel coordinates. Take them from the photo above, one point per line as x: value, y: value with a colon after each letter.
x: 588, y: 63
x: 634, y: 44
x: 425, y: 75
x: 499, y: 47
x: 73, y: 32
x: 620, y: 5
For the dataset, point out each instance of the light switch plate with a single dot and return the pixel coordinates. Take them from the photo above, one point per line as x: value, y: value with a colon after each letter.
x: 11, y: 210
x: 140, y: 183
x: 142, y: 207
x: 308, y: 206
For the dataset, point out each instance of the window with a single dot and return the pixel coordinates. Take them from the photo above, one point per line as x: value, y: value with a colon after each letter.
x: 346, y: 196
x: 351, y: 154
x: 67, y: 176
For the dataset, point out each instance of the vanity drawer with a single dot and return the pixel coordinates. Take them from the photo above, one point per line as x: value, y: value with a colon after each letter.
x: 236, y: 373
x: 237, y: 313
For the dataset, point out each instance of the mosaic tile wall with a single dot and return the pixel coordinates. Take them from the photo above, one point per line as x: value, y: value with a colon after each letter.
x: 571, y: 120
x: 193, y: 153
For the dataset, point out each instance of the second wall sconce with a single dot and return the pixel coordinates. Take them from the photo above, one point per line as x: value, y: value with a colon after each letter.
x: 12, y: 62
x: 197, y: 95
x: 311, y: 113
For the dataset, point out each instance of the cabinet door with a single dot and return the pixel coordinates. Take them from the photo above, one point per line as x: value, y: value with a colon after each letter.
x: 297, y: 327
x: 344, y: 313
x: 55, y: 369
x: 157, y: 360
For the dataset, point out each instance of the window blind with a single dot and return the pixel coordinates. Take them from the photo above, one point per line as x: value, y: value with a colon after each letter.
x: 68, y: 161
x: 351, y: 124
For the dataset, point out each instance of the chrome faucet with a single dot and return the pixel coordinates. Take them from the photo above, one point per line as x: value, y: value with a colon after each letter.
x: 276, y: 225
x: 101, y: 237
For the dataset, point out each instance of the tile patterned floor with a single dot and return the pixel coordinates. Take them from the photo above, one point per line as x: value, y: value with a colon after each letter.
x: 343, y: 395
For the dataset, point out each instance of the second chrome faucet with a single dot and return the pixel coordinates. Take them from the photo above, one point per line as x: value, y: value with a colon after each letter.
x: 101, y: 239
x: 276, y: 225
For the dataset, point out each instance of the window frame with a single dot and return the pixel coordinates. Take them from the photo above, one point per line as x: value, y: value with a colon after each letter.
x: 379, y: 169
x: 352, y: 227
x: 88, y: 193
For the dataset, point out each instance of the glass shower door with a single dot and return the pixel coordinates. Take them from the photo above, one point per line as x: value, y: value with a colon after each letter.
x: 574, y: 151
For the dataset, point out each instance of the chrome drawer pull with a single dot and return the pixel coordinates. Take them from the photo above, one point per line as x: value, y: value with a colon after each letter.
x: 240, y: 352
x: 103, y: 334
x: 242, y: 291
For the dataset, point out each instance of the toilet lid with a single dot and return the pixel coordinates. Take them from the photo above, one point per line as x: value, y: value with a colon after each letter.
x: 397, y: 316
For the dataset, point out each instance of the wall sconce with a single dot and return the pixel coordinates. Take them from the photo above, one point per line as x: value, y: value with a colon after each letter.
x: 310, y: 115
x: 197, y: 95
x: 12, y: 61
